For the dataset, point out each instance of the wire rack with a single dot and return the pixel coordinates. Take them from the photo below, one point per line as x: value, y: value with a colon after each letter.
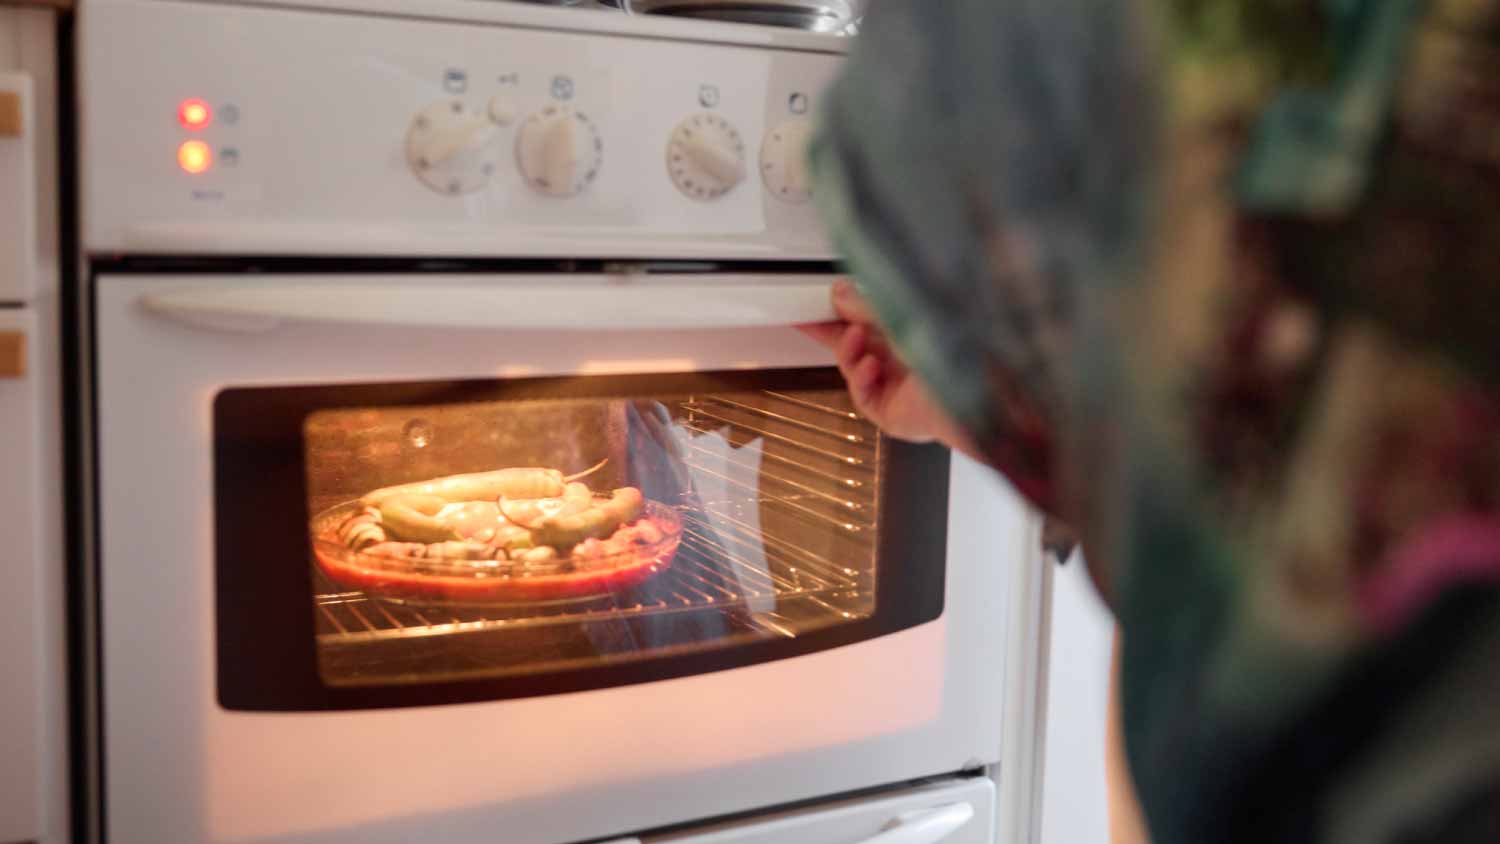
x: 820, y: 476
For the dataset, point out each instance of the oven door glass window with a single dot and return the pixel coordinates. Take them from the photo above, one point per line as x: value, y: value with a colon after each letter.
x: 487, y: 540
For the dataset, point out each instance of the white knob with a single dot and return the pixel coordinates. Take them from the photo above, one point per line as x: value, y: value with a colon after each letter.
x: 558, y: 150
x: 783, y: 161
x: 449, y: 147
x: 705, y: 156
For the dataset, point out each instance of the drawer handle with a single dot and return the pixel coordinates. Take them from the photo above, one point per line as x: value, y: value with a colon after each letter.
x: 12, y: 125
x: 926, y: 826
x: 12, y: 354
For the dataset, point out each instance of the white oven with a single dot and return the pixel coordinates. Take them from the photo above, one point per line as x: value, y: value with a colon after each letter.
x: 343, y: 256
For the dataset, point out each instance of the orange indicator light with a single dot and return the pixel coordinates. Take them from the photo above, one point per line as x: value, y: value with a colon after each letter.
x: 194, y: 156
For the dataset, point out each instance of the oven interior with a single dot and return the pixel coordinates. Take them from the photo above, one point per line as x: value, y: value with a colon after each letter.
x: 776, y: 492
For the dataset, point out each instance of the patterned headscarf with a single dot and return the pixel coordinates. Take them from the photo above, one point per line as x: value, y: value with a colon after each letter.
x: 1218, y: 281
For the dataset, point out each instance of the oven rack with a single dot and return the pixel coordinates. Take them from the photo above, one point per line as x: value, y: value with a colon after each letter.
x: 714, y: 569
x: 817, y: 465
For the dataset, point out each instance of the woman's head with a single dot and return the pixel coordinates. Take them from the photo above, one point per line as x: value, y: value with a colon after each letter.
x: 1087, y: 221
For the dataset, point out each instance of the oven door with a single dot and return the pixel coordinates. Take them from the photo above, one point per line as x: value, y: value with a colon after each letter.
x: 327, y: 616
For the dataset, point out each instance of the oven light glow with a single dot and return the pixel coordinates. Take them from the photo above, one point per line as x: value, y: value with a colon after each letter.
x: 194, y: 113
x: 194, y: 156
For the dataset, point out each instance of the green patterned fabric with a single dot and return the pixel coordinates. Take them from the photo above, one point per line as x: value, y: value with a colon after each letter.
x: 1218, y: 282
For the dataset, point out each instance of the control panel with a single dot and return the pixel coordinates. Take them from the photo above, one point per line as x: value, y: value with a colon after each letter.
x: 389, y: 136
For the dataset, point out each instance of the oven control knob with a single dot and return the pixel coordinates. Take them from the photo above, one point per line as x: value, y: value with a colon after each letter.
x: 449, y: 146
x: 705, y: 157
x: 783, y: 161
x: 558, y: 150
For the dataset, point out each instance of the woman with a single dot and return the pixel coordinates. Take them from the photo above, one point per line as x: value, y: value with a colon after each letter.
x: 1217, y: 282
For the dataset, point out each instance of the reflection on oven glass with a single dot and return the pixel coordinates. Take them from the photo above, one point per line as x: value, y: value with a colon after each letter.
x: 507, y: 537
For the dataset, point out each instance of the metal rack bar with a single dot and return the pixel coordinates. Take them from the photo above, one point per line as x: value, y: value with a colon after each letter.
x: 761, y: 620
x: 765, y: 580
x: 692, y: 583
x: 846, y: 459
x: 787, y: 461
x: 830, y: 607
x: 812, y: 405
x: 387, y: 613
x: 748, y: 535
x: 776, y: 551
x: 852, y: 439
x: 747, y: 566
x: 723, y: 590
x: 425, y: 627
x: 332, y: 619
x: 849, y: 526
x: 702, y: 597
x: 845, y: 503
x: 354, y: 611
x: 733, y: 589
x: 752, y: 534
x: 748, y: 574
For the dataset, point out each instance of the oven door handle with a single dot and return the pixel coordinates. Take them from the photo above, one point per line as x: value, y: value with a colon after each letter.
x: 925, y: 826
x: 511, y: 303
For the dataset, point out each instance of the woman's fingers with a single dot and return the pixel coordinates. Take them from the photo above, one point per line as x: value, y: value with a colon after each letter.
x: 864, y: 382
x: 826, y: 333
x: 852, y: 346
x: 850, y: 306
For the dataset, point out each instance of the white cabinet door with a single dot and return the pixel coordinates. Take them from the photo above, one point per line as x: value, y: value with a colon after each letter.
x: 20, y: 724
x: 17, y: 185
x: 954, y: 812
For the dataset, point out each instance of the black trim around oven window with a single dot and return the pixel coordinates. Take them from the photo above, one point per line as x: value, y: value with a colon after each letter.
x: 266, y: 645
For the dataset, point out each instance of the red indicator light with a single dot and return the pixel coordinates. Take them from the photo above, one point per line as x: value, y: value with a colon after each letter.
x: 194, y: 114
x: 194, y: 156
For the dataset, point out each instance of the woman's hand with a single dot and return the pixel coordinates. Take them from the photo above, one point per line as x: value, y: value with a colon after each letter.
x: 884, y: 390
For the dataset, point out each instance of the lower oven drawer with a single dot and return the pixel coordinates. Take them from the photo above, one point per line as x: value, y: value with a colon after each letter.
x: 951, y: 812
